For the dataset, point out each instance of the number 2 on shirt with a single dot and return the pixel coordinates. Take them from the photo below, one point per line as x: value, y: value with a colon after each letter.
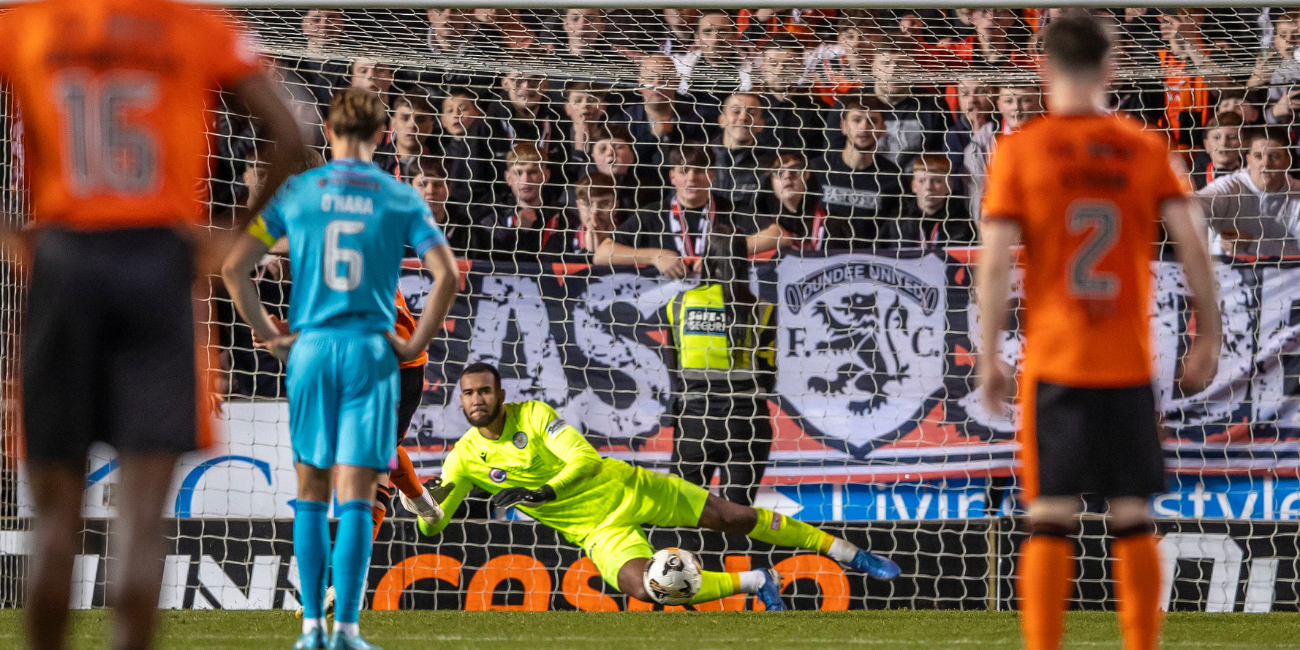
x: 1101, y: 220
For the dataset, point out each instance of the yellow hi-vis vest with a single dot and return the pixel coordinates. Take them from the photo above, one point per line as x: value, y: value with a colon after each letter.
x: 704, y: 346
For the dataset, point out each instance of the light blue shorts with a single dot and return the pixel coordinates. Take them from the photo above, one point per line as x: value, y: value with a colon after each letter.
x: 343, y: 392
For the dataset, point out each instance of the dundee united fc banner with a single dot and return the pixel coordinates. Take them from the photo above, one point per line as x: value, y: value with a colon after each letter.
x: 874, y: 389
x: 875, y: 358
x: 861, y: 349
x: 868, y: 359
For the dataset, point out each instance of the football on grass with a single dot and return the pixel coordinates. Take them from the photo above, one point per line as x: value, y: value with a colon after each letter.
x: 673, y: 576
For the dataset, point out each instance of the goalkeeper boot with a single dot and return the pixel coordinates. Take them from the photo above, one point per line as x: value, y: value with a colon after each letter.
x: 341, y: 641
x: 329, y: 600
x: 313, y: 640
x: 327, y: 608
x: 876, y: 566
x: 770, y: 592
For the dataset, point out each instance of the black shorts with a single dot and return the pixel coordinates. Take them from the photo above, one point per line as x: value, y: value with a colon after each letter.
x: 108, y: 344
x: 1102, y: 441
x: 411, y: 392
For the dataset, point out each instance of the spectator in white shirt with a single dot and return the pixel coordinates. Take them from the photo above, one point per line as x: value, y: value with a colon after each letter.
x: 718, y: 63
x: 833, y: 69
x: 1256, y: 210
x: 679, y: 32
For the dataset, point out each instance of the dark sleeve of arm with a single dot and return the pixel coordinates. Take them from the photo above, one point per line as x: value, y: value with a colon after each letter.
x: 628, y: 233
x: 935, y: 122
x: 481, y: 234
x: 813, y: 128
x: 888, y: 214
x: 744, y: 222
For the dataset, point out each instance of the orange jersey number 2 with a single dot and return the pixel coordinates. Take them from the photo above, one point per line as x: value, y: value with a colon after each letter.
x: 1102, y: 218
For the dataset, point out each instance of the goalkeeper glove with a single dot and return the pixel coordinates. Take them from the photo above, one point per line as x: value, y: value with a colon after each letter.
x: 438, y: 491
x: 523, y: 496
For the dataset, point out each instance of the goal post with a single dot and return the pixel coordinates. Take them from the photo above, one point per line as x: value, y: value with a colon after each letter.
x: 516, y: 120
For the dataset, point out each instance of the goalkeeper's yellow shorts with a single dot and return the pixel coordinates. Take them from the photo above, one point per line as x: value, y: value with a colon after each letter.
x: 648, y: 498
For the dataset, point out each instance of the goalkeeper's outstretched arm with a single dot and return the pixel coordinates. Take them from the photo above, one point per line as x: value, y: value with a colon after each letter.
x: 582, y: 461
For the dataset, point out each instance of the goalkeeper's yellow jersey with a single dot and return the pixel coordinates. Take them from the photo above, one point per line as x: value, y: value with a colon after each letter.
x: 538, y: 448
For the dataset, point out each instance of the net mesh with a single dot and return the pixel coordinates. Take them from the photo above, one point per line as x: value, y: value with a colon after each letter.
x: 845, y: 152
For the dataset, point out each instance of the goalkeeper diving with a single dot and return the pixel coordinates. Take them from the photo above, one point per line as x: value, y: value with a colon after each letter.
x: 528, y: 457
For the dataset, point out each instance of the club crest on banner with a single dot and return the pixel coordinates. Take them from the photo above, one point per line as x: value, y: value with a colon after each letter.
x: 861, y: 349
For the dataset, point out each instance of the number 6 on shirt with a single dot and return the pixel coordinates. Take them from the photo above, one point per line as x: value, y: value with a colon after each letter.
x: 336, y: 254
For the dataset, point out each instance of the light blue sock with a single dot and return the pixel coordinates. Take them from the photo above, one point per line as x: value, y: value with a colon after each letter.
x: 351, y: 559
x: 311, y: 545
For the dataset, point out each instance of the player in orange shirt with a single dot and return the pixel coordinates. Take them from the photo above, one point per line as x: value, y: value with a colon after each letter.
x: 411, y: 375
x: 1085, y: 193
x: 113, y: 96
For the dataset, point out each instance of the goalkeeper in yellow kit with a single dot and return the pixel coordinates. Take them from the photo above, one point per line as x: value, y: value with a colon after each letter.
x: 528, y: 457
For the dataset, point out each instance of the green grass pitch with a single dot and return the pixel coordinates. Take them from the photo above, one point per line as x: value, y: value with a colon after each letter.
x: 931, y: 630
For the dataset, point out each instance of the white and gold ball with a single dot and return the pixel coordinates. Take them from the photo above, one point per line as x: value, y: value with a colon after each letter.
x: 673, y: 576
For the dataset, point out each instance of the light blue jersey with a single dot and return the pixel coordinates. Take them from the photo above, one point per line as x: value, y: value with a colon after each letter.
x: 348, y: 224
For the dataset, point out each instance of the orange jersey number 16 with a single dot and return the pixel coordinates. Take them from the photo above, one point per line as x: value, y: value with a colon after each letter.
x: 104, y: 151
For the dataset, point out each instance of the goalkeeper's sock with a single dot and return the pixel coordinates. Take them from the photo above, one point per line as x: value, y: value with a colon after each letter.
x: 404, y: 478
x: 383, y: 496
x: 717, y: 584
x: 749, y: 582
x: 1046, y: 572
x: 1136, y: 568
x: 778, y: 529
x: 840, y: 550
x: 311, y: 545
x: 351, y: 559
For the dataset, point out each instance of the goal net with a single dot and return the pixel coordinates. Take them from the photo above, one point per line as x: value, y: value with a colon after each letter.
x: 844, y: 152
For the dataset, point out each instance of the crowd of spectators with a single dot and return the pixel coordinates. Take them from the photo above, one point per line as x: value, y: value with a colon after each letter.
x: 622, y: 136
x: 809, y: 129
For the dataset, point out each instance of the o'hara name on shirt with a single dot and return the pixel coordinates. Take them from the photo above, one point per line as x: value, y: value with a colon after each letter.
x: 347, y: 203
x: 711, y: 322
x: 854, y: 198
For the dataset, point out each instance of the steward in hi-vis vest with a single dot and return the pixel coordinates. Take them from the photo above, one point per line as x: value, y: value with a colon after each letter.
x: 724, y: 339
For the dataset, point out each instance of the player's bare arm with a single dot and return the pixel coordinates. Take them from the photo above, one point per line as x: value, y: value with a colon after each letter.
x: 441, y: 263
x: 263, y: 103
x: 237, y: 272
x: 991, y: 280
x: 1186, y: 228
